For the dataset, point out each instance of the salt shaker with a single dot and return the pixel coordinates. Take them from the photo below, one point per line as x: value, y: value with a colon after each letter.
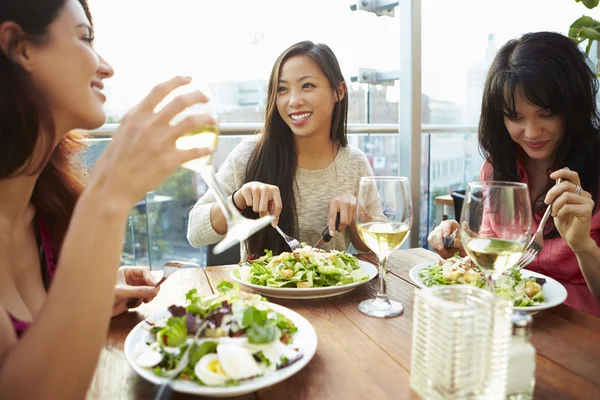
x: 521, y: 362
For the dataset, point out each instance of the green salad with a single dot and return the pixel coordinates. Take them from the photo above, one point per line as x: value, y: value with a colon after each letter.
x: 511, y: 285
x: 239, y: 338
x: 306, y: 267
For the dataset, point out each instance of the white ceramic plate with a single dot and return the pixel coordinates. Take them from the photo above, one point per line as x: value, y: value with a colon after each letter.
x: 555, y: 292
x: 305, y: 339
x: 309, y: 293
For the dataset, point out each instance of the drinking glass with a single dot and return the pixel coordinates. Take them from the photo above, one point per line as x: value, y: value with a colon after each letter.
x: 495, y: 225
x: 239, y: 228
x: 383, y: 219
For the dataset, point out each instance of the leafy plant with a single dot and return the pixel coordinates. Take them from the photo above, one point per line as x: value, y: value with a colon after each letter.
x: 586, y: 28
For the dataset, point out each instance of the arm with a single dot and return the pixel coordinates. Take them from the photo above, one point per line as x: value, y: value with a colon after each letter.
x: 363, y: 170
x: 71, y: 327
x: 588, y: 258
x: 69, y: 332
x: 572, y: 210
x: 207, y: 223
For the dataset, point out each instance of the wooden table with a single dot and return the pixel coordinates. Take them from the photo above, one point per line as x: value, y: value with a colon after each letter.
x: 360, y: 357
x: 444, y: 206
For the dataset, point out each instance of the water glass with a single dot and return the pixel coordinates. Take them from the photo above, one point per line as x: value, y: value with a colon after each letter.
x: 461, y: 340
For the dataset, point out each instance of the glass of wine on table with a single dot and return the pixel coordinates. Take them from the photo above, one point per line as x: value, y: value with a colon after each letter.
x: 383, y: 220
x: 239, y: 228
x: 495, y: 225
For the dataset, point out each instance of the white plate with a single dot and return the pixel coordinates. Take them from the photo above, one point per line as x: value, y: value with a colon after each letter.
x: 305, y: 339
x: 555, y: 292
x: 309, y: 293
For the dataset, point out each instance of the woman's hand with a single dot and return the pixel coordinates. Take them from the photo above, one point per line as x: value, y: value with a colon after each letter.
x: 436, y: 239
x: 264, y: 199
x: 133, y: 283
x: 571, y: 208
x: 142, y: 152
x: 345, y: 205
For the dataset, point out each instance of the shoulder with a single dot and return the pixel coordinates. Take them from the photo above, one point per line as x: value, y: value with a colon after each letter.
x: 242, y: 152
x: 354, y: 156
x: 486, y: 172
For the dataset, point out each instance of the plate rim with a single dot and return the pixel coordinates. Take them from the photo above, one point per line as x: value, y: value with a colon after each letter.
x: 218, y: 391
x: 416, y: 279
x: 309, y: 293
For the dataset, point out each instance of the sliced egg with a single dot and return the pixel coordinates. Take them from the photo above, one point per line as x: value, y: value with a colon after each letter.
x: 210, y: 371
x: 237, y: 362
x: 149, y: 358
x: 274, y: 351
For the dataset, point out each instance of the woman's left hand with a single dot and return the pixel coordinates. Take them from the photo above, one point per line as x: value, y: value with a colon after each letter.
x: 133, y: 282
x: 571, y: 208
x: 345, y: 205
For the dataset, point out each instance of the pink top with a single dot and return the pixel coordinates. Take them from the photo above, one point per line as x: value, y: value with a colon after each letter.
x: 50, y: 263
x: 557, y: 260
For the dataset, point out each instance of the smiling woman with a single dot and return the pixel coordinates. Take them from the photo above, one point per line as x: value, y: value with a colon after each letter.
x: 540, y: 123
x: 300, y: 168
x: 60, y: 242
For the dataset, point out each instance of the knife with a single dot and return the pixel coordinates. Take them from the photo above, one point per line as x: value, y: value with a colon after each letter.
x: 326, y: 236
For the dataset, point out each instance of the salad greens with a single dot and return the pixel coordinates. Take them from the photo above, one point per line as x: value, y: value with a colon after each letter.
x: 306, y: 267
x: 242, y: 338
x: 511, y: 285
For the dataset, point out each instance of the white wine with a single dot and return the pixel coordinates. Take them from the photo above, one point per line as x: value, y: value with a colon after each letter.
x: 206, y: 136
x: 494, y: 254
x: 383, y: 237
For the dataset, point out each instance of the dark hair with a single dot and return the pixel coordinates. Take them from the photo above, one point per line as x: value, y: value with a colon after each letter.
x: 550, y: 71
x: 274, y: 160
x: 27, y: 127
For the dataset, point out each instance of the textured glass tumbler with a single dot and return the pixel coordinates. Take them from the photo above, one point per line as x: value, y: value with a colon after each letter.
x: 461, y: 338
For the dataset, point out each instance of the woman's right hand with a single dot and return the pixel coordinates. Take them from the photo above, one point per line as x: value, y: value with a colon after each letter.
x: 142, y: 152
x: 436, y: 239
x: 264, y: 199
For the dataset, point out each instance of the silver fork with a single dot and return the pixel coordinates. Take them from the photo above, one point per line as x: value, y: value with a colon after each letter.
x: 536, y: 243
x: 164, y: 391
x: 293, y: 243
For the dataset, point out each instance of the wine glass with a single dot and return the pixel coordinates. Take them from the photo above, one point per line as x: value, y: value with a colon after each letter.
x: 383, y: 219
x: 239, y: 228
x: 495, y: 225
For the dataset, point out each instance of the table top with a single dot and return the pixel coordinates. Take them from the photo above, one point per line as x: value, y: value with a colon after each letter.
x: 361, y: 357
x: 445, y: 200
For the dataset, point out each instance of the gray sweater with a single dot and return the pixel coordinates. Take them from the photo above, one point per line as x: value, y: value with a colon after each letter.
x: 315, y: 189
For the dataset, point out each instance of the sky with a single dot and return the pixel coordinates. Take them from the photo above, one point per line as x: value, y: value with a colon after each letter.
x: 148, y: 41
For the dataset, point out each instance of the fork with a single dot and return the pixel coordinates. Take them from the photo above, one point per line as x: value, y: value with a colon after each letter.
x: 293, y: 243
x: 164, y: 391
x: 537, y: 241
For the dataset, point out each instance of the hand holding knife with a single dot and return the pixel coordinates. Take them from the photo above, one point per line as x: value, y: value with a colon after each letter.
x: 326, y: 236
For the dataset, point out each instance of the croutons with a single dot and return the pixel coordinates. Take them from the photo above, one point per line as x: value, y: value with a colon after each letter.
x: 532, y: 288
x: 303, y: 285
x: 287, y: 273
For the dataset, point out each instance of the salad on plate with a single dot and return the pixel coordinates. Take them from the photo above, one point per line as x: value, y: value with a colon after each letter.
x: 511, y: 285
x: 242, y: 339
x: 306, y: 267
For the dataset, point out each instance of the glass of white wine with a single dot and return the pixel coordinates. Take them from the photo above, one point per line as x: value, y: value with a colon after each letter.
x: 495, y: 225
x: 383, y: 219
x: 239, y: 228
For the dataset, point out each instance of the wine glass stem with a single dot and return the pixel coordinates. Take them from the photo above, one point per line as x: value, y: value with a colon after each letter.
x: 382, y: 293
x: 491, y: 281
x: 210, y: 177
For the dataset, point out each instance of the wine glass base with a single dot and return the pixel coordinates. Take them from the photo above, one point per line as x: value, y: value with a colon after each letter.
x: 242, y: 230
x: 381, y: 308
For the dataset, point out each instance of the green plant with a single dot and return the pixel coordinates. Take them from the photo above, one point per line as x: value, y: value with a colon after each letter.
x: 586, y: 28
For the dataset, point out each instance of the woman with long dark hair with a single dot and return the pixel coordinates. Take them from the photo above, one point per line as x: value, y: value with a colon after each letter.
x: 60, y: 242
x: 300, y: 168
x: 540, y: 123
